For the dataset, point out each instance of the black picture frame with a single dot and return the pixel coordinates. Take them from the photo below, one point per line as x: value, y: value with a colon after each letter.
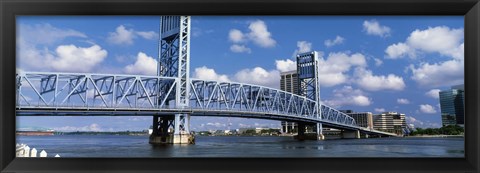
x: 470, y: 9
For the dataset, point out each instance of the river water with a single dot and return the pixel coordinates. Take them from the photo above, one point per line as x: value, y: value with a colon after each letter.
x: 243, y: 146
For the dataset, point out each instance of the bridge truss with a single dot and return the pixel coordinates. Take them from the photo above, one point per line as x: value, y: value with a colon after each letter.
x: 104, y: 94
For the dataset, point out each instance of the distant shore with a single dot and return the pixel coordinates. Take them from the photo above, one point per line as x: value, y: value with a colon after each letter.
x: 437, y: 136
x: 51, y: 133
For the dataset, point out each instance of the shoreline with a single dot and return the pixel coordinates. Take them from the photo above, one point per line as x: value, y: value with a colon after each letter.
x: 437, y: 136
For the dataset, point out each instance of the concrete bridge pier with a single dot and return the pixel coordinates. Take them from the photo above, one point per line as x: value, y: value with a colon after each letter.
x: 171, y: 129
x: 316, y: 134
x: 350, y: 134
x: 162, y: 131
x: 182, y: 130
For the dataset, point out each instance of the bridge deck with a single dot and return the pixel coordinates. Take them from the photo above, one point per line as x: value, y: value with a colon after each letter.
x: 62, y: 94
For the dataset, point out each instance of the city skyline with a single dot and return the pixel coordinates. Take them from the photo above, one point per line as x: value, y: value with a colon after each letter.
x: 370, y: 64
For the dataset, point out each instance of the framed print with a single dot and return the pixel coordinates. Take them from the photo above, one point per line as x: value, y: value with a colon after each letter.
x: 250, y: 86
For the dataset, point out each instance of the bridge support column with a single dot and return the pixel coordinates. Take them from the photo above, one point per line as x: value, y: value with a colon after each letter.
x: 162, y: 132
x: 171, y: 129
x: 300, y: 131
x: 182, y: 130
x: 315, y: 134
x: 364, y: 136
x: 351, y: 134
x: 320, y: 135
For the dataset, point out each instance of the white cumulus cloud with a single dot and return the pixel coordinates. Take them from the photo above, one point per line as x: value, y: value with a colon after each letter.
x: 286, y: 65
x: 445, y: 73
x: 378, y: 62
x: 259, y: 76
x: 124, y: 36
x: 257, y: 33
x: 236, y: 36
x: 260, y: 35
x: 441, y: 39
x: 433, y: 93
x: 333, y: 70
x: 368, y: 81
x: 444, y: 41
x: 399, y: 50
x: 33, y: 51
x: 372, y: 27
x: 256, y: 76
x: 149, y: 35
x: 70, y: 58
x: 403, y: 101
x: 428, y: 109
x: 206, y: 73
x: 240, y: 49
x: 121, y: 35
x: 144, y: 65
x: 302, y: 47
x: 336, y: 41
x: 348, y: 96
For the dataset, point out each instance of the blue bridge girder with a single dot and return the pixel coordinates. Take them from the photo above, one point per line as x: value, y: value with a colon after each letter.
x: 84, y: 94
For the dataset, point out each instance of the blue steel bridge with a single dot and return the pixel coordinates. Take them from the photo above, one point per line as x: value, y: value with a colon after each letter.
x: 172, y: 96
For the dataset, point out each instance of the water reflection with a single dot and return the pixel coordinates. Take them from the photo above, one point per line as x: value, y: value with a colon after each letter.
x: 208, y: 146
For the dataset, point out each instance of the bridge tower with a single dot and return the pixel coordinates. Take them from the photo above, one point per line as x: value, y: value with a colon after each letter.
x: 174, y: 61
x: 309, y: 86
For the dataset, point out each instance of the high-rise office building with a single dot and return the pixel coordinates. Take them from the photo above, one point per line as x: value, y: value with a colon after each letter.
x: 452, y: 106
x: 289, y: 83
x: 363, y: 119
x: 392, y: 122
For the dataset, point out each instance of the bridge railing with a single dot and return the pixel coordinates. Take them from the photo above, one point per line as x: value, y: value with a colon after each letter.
x: 134, y: 92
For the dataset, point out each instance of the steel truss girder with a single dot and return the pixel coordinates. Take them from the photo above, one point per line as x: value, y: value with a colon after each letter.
x: 71, y: 91
x: 212, y: 95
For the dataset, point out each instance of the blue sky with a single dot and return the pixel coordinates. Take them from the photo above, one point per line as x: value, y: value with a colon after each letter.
x: 368, y: 63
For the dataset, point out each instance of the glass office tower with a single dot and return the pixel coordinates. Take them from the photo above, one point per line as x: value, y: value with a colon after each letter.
x: 452, y: 105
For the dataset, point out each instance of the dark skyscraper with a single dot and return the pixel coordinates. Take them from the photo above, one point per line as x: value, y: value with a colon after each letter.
x: 452, y: 106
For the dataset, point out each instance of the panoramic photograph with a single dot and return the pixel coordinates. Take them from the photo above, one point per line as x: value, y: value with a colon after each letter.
x: 240, y: 86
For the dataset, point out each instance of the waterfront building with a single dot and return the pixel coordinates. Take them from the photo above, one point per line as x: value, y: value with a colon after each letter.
x: 392, y: 122
x: 363, y: 119
x: 452, y: 105
x: 259, y: 129
x: 289, y: 83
